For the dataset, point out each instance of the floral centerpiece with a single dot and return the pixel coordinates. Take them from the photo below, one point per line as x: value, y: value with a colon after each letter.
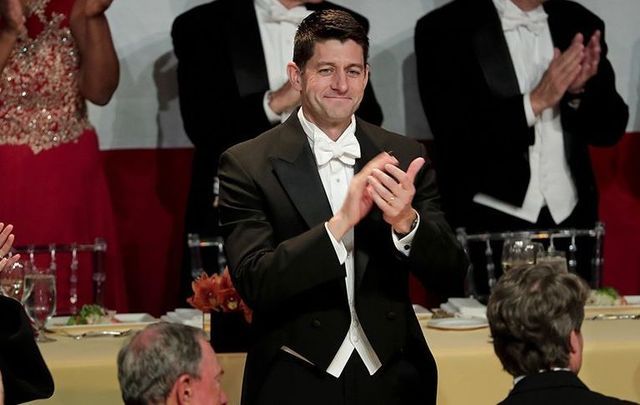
x: 217, y: 293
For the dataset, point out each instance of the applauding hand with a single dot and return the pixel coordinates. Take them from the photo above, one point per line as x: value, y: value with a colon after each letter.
x: 358, y: 202
x: 589, y: 65
x: 6, y: 241
x: 392, y: 190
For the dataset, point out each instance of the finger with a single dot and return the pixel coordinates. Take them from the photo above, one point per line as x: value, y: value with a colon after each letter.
x: 378, y: 162
x: 5, y: 233
x: 407, y: 178
x: 6, y: 246
x: 381, y: 189
x: 11, y: 261
x: 380, y: 202
x: 3, y: 263
x: 414, y: 168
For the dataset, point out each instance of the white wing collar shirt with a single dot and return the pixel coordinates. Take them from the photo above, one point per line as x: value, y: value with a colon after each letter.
x: 278, y: 27
x: 335, y: 162
x: 551, y: 184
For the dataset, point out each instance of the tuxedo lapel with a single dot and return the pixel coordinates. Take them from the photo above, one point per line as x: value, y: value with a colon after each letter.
x: 492, y: 51
x: 245, y: 45
x: 560, y: 33
x: 368, y: 150
x: 297, y: 171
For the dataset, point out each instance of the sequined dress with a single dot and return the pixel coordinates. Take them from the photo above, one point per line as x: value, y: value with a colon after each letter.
x: 54, y: 188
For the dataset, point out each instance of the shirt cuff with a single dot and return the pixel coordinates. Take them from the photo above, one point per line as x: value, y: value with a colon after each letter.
x: 271, y: 116
x: 528, y: 110
x: 404, y: 244
x: 338, y: 246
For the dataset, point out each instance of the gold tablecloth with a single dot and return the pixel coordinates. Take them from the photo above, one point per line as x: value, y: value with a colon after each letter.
x: 469, y: 373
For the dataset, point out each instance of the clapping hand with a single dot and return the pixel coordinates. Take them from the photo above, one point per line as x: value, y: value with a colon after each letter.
x: 12, y: 13
x: 561, y: 73
x: 96, y: 8
x: 6, y: 241
x: 392, y: 190
x: 589, y: 65
x: 359, y: 201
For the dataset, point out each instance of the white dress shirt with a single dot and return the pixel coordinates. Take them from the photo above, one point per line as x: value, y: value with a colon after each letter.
x: 278, y: 27
x: 551, y: 184
x: 335, y: 176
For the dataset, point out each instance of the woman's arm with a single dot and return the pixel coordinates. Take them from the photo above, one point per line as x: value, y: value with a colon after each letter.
x: 99, y: 67
x: 11, y: 27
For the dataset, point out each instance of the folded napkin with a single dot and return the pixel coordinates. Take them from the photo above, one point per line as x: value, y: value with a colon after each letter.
x: 465, y: 307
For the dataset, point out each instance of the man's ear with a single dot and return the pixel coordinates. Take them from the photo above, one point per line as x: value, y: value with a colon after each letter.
x: 575, y: 354
x: 295, y: 76
x: 184, y: 389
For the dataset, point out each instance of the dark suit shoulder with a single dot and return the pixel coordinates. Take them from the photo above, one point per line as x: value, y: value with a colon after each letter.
x: 456, y: 11
x: 195, y: 15
x: 390, y: 141
x: 261, y: 144
x: 556, y: 388
x: 206, y: 16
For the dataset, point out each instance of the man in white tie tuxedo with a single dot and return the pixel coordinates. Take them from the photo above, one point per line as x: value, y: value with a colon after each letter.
x: 323, y: 224
x: 515, y: 91
x: 232, y: 82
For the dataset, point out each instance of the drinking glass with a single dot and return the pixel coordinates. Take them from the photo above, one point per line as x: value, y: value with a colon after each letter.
x: 554, y: 258
x: 11, y: 281
x: 519, y: 252
x: 39, y: 298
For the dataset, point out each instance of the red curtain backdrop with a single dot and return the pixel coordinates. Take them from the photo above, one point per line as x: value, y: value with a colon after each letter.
x: 149, y: 189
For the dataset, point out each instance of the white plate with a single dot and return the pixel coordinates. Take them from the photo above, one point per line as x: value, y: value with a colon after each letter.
x: 632, y: 299
x: 120, y: 320
x: 457, y: 323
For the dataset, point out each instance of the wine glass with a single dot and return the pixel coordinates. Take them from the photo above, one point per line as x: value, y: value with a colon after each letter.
x: 557, y: 259
x: 519, y: 252
x: 39, y: 298
x: 11, y: 281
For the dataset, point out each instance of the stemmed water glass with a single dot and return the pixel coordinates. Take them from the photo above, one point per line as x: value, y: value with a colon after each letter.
x: 11, y: 281
x: 39, y: 298
x: 518, y: 252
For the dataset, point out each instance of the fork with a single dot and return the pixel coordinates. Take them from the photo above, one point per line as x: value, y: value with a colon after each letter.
x: 99, y: 333
x: 614, y: 316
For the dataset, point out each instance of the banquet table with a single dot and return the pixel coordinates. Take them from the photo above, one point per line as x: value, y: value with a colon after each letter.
x: 84, y: 370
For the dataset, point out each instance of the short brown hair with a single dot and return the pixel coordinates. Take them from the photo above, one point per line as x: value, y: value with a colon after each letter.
x: 532, y: 312
x: 324, y: 25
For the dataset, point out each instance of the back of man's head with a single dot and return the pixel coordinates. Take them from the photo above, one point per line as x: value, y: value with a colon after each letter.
x: 152, y: 361
x: 324, y: 25
x: 532, y: 313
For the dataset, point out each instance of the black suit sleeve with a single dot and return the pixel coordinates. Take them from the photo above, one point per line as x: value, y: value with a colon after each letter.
x: 601, y: 115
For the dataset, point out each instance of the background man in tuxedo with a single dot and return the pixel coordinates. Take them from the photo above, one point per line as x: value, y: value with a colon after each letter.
x: 232, y: 81
x: 322, y: 228
x: 515, y: 91
x: 535, y: 315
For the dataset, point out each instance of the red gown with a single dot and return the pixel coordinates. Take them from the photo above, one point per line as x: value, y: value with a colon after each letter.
x: 54, y: 189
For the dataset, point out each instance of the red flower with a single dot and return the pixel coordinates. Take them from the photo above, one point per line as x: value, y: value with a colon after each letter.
x: 217, y: 293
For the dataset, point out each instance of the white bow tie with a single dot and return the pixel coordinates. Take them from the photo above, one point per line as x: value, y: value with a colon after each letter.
x: 346, y: 150
x: 293, y: 16
x: 535, y: 21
